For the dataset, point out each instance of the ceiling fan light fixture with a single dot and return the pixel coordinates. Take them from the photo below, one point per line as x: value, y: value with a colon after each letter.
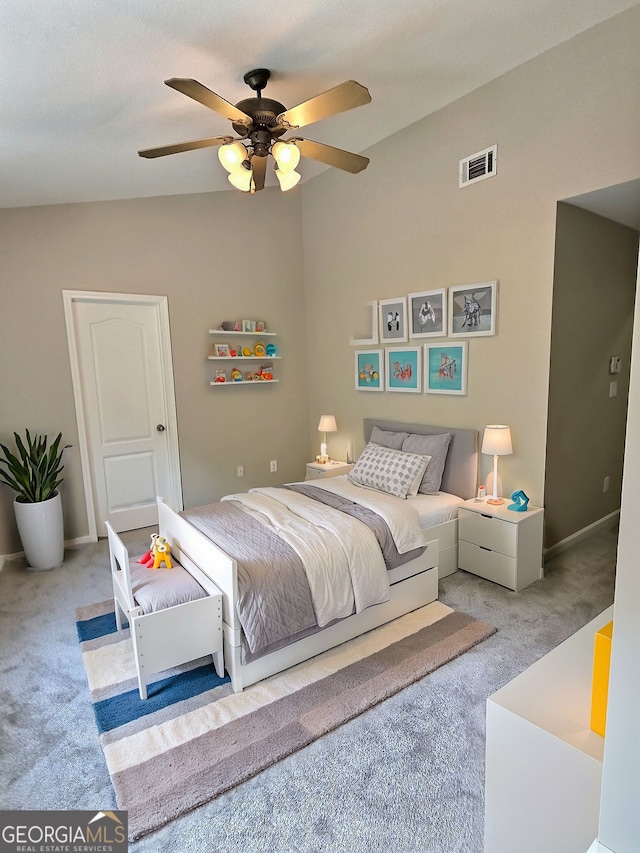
x: 242, y: 177
x: 286, y: 155
x: 232, y: 155
x: 287, y: 180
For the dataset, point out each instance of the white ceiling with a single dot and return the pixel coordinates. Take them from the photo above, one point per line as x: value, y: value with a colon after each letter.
x: 81, y: 81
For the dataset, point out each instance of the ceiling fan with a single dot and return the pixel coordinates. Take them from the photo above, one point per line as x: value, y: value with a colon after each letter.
x: 260, y: 122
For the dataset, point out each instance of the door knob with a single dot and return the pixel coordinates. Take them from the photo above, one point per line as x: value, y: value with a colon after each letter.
x: 161, y: 427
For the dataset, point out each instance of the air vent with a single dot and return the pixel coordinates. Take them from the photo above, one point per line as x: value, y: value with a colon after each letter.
x: 479, y: 166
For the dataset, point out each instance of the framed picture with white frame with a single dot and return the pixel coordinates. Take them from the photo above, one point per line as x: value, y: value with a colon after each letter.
x: 369, y: 369
x: 445, y: 367
x: 473, y: 309
x: 393, y: 320
x: 428, y: 313
x: 404, y: 369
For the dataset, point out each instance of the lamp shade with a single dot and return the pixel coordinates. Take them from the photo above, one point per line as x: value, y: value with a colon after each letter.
x: 287, y: 180
x: 241, y: 178
x: 327, y: 424
x: 497, y: 440
x: 232, y: 155
x: 286, y: 155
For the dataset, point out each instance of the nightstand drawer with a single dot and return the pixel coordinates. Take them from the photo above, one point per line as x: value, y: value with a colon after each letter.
x: 314, y: 474
x: 488, y: 531
x: 488, y: 564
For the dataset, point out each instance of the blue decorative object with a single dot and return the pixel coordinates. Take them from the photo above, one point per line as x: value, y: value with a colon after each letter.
x: 520, y: 502
x: 271, y: 350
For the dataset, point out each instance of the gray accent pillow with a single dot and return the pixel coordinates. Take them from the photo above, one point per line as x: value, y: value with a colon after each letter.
x: 435, y: 446
x: 158, y: 589
x: 387, y: 470
x: 387, y: 438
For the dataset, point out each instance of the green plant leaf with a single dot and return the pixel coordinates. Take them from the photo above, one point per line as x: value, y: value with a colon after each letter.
x: 33, y: 473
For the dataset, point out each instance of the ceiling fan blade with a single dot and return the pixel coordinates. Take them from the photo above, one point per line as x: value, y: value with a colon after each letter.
x: 344, y: 97
x: 353, y: 163
x: 178, y: 147
x: 259, y: 167
x: 200, y: 93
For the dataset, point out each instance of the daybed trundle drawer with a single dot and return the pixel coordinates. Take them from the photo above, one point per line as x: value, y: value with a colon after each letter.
x: 488, y: 564
x: 488, y: 531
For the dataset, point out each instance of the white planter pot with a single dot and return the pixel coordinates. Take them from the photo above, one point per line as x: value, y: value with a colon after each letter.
x: 41, y: 532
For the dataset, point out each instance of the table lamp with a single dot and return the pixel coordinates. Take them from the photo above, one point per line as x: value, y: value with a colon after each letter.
x: 496, y: 442
x: 327, y: 424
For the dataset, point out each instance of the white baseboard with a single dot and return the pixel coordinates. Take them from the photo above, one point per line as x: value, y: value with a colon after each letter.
x: 559, y: 547
x: 69, y: 543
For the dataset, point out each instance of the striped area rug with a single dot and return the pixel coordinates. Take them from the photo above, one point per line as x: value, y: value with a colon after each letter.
x: 193, y: 738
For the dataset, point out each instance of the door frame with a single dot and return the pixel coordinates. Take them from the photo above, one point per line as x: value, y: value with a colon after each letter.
x: 162, y: 306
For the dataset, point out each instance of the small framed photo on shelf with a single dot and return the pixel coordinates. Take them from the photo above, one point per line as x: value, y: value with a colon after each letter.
x: 261, y: 326
x: 393, y: 320
x: 445, y: 367
x: 428, y: 313
x: 473, y: 309
x: 221, y: 350
x: 246, y: 326
x: 404, y: 369
x: 369, y: 370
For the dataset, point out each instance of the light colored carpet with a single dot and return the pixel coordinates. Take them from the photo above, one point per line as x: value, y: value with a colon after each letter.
x: 193, y: 738
x: 407, y: 775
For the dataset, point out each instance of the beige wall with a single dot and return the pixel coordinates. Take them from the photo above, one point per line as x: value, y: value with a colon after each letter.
x: 565, y: 123
x: 217, y: 257
x: 593, y: 302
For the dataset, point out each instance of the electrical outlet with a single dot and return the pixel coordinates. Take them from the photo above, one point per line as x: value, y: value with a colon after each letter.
x: 273, y: 466
x: 613, y: 388
x: 240, y: 470
x: 606, y: 484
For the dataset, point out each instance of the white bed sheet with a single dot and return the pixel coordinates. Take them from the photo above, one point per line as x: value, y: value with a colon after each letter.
x: 430, y: 510
x: 435, y: 509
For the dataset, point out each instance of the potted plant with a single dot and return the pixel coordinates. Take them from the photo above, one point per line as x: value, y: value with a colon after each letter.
x: 34, y: 474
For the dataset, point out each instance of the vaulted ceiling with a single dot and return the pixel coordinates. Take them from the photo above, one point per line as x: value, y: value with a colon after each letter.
x: 82, y: 82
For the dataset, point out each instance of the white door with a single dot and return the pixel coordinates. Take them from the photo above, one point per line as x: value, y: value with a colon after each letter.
x: 120, y: 354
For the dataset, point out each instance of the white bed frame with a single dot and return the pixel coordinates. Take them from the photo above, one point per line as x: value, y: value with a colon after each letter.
x: 412, y: 585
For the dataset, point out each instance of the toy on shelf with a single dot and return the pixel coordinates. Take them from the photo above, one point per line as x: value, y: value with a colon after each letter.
x: 220, y: 376
x: 271, y: 350
x: 520, y: 502
x: 236, y: 374
x: 247, y: 352
x: 259, y: 349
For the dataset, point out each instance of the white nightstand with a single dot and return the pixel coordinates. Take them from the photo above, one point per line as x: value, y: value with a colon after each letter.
x: 499, y: 544
x: 318, y: 470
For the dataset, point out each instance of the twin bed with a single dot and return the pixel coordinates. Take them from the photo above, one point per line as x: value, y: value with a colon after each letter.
x: 307, y: 566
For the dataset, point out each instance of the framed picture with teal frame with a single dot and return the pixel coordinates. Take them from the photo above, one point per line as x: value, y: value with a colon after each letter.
x: 445, y: 367
x: 369, y: 370
x: 404, y: 369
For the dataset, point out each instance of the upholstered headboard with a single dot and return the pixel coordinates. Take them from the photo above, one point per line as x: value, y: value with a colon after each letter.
x: 461, y: 469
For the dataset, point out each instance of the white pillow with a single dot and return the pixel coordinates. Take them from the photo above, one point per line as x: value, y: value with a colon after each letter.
x: 390, y: 471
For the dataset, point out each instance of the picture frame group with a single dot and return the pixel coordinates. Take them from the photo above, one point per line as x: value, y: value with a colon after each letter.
x: 468, y: 310
x: 433, y: 368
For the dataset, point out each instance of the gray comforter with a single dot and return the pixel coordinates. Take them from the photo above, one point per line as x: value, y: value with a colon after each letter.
x: 274, y: 599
